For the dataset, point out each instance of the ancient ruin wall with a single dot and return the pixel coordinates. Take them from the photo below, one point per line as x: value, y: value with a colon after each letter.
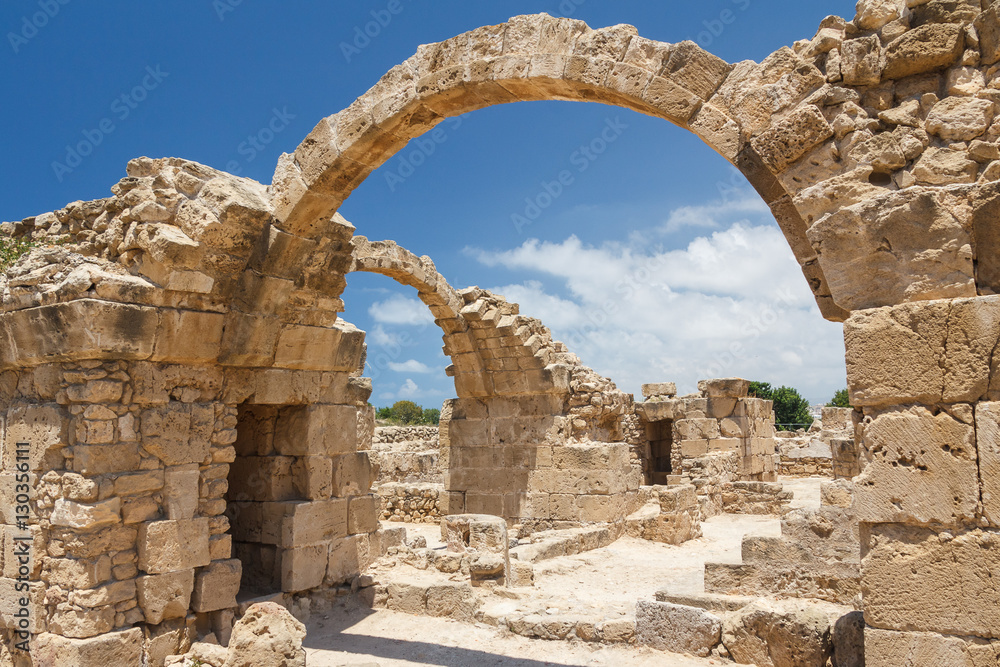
x: 874, y: 144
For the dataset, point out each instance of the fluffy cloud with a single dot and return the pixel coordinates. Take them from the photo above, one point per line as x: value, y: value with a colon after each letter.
x: 398, y: 309
x: 733, y: 303
x: 410, y: 366
x: 713, y: 216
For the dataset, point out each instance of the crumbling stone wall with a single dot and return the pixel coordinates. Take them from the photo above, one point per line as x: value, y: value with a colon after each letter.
x: 874, y: 144
x: 719, y: 418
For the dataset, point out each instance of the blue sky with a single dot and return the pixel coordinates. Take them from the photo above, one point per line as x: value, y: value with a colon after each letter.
x: 657, y: 263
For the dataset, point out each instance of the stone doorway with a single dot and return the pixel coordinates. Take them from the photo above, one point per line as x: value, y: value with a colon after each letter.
x: 660, y: 435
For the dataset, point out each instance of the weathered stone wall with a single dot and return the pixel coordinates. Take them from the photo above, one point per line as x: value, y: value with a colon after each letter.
x: 720, y: 418
x: 406, y: 454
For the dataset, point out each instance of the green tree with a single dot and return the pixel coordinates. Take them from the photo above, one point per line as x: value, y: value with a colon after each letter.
x: 384, y: 414
x: 432, y: 416
x: 407, y: 412
x: 790, y: 408
x: 840, y: 400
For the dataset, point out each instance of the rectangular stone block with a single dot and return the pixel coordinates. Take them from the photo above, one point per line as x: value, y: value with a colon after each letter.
x: 170, y: 546
x: 123, y: 647
x: 308, y: 523
x: 216, y: 586
x: 41, y: 427
x: 921, y: 468
x: 884, y: 648
x: 316, y: 430
x: 262, y: 478
x: 348, y: 557
x: 165, y: 596
x: 988, y: 444
x: 352, y: 475
x: 303, y: 568
x: 180, y: 492
x: 10, y: 605
x: 362, y: 514
x: 920, y: 579
x: 312, y: 477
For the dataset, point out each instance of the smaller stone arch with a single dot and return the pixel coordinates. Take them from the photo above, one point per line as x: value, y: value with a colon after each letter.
x: 530, y: 421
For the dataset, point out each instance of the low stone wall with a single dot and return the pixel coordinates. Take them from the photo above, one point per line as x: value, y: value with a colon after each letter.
x: 807, y: 467
x: 413, y: 503
x: 408, y: 434
x: 754, y: 498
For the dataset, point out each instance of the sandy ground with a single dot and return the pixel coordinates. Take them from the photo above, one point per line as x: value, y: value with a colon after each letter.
x: 600, y: 584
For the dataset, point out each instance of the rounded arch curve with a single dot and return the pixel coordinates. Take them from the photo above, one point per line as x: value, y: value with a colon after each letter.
x: 748, y: 113
x: 495, y: 351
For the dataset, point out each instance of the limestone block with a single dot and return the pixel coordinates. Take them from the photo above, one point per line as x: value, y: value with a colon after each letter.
x: 696, y: 429
x: 860, y: 61
x: 452, y: 600
x: 362, y: 514
x: 86, y: 518
x: 170, y: 546
x: 348, y: 557
x: 883, y: 648
x: 123, y: 647
x: 43, y: 427
x: 875, y: 253
x: 987, y: 27
x: 188, y: 337
x: 216, y: 586
x: 10, y: 604
x: 72, y: 573
x: 960, y: 118
x: 695, y: 69
x: 267, y: 635
x: 178, y: 433
x: 781, y: 633
x: 304, y: 524
x: 316, y: 430
x: 717, y: 130
x: 312, y: 477
x: 303, y: 568
x: 668, y: 389
x: 167, y: 639
x: 792, y: 137
x: 180, y: 492
x: 921, y: 468
x: 923, y: 49
x: 988, y: 444
x: 920, y: 579
x: 262, y: 478
x: 676, y: 628
x: 724, y: 388
x: 81, y: 623
x: 873, y: 14
x: 353, y: 475
x: 165, y: 596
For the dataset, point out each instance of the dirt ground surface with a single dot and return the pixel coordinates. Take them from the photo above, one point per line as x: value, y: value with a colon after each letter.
x: 600, y: 584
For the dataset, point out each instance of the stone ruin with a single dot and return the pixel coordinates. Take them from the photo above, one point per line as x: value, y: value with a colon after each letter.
x: 184, y: 412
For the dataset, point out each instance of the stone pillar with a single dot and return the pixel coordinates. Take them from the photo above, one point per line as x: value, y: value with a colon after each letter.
x: 928, y: 497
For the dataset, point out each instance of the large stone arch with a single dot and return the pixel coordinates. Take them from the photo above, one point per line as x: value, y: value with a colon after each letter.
x: 193, y: 292
x: 539, y: 57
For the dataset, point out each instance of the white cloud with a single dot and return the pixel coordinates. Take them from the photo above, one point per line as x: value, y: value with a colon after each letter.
x: 409, y: 389
x: 734, y: 303
x: 715, y: 215
x: 410, y: 366
x: 383, y: 338
x: 399, y: 309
